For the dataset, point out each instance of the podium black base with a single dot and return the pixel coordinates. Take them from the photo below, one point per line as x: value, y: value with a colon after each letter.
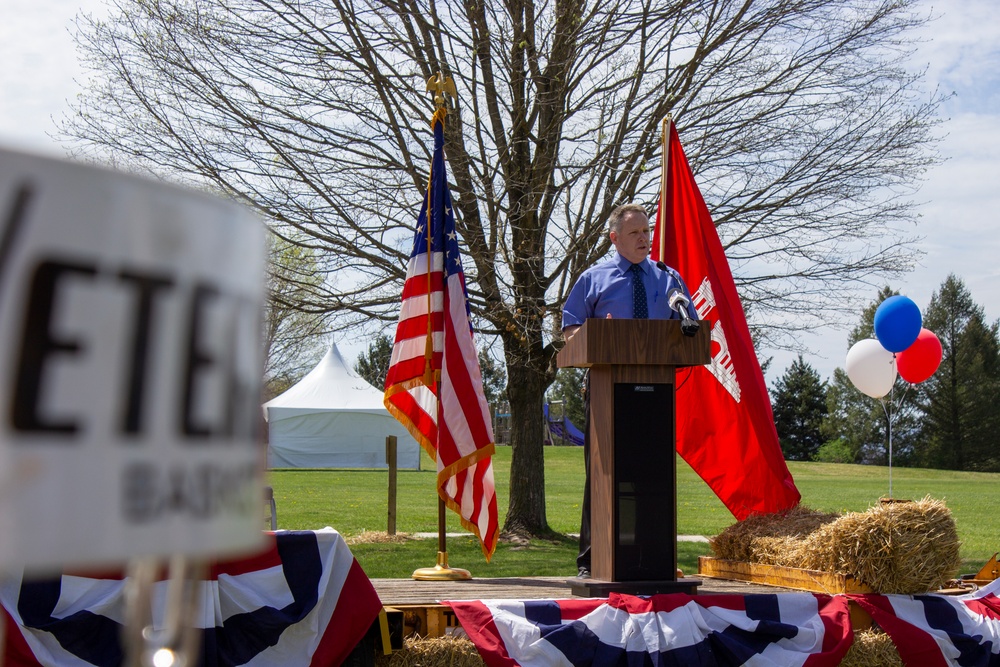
x: 596, y: 588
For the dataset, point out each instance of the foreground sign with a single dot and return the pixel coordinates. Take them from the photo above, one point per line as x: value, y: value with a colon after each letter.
x: 129, y: 367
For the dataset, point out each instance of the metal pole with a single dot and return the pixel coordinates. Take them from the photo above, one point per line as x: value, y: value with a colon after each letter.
x: 664, y: 171
x: 442, y: 527
x: 440, y: 85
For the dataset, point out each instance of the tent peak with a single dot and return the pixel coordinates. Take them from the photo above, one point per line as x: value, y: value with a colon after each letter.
x: 331, y: 385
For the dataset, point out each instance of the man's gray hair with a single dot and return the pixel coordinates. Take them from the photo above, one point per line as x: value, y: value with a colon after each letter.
x: 615, y: 219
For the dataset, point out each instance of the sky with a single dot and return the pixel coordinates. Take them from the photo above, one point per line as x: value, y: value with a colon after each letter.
x: 959, y: 200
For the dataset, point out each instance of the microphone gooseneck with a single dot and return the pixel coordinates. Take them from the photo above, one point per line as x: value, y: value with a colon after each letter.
x: 679, y: 303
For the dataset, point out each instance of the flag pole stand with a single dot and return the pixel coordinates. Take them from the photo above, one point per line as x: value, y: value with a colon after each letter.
x: 441, y: 571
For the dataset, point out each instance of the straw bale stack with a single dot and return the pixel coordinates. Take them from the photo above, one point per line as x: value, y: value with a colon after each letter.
x: 908, y: 548
x: 894, y: 547
x: 872, y: 648
x: 433, y: 652
x: 760, y: 534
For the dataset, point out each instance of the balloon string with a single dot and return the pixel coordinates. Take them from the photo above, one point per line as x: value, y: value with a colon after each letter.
x: 888, y: 421
x: 891, y: 408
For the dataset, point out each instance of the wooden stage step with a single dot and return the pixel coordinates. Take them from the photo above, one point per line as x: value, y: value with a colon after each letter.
x: 410, y: 591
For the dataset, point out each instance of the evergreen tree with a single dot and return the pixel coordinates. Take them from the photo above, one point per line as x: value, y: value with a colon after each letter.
x: 960, y: 419
x: 851, y: 419
x: 861, y: 423
x: 373, y: 365
x: 494, y: 379
x: 799, y: 403
x: 568, y: 388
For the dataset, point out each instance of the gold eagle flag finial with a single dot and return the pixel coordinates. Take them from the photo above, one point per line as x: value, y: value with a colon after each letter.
x: 441, y: 84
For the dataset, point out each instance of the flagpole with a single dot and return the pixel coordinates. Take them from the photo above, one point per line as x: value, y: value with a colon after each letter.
x: 661, y: 214
x: 440, y: 85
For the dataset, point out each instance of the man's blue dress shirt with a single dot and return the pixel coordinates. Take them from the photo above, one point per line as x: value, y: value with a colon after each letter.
x: 607, y: 288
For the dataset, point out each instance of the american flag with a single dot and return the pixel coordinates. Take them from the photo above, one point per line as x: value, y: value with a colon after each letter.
x: 434, y: 386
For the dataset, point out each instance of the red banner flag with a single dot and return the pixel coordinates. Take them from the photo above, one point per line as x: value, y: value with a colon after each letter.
x: 434, y: 385
x: 725, y: 427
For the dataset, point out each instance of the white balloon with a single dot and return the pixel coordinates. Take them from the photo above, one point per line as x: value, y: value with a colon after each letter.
x: 871, y: 367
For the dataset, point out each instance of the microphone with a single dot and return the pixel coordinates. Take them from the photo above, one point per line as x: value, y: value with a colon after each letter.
x: 677, y: 301
x: 679, y: 304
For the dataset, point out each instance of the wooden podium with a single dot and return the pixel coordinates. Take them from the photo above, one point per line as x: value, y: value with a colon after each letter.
x: 633, y: 473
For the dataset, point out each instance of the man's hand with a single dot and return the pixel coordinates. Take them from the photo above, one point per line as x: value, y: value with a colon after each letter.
x: 568, y: 332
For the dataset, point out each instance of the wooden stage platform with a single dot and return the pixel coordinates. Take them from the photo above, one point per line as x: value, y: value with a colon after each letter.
x: 409, y: 591
x: 413, y: 608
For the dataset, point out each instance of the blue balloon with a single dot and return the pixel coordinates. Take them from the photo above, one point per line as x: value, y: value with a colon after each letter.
x: 897, y: 323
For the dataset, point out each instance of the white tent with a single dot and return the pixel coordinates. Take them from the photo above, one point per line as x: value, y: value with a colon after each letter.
x: 334, y: 419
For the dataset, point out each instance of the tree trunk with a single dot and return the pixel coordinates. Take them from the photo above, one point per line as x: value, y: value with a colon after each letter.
x: 527, y: 380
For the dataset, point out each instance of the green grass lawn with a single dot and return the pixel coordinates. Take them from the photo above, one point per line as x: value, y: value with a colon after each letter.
x: 354, y: 501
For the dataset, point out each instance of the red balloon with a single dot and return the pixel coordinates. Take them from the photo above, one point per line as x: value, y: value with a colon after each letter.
x: 919, y: 361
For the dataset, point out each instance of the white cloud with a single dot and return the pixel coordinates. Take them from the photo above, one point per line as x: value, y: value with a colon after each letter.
x: 40, y: 66
x: 960, y: 51
x: 960, y: 199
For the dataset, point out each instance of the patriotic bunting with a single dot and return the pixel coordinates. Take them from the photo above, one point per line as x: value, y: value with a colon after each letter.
x: 305, y: 601
x: 939, y: 630
x: 675, y: 629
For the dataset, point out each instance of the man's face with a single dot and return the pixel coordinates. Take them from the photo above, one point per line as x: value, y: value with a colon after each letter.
x: 632, y: 240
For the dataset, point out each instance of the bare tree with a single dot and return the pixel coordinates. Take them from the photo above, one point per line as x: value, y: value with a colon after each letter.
x: 293, y: 325
x: 801, y: 124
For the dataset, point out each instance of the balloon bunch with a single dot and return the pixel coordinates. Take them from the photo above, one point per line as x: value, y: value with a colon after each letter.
x: 901, y: 344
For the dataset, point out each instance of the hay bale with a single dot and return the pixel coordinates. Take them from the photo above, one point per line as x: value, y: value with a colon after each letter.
x: 781, y: 551
x: 433, y: 652
x: 377, y: 537
x: 737, y: 542
x: 872, y: 648
x: 898, y: 547
x: 905, y: 547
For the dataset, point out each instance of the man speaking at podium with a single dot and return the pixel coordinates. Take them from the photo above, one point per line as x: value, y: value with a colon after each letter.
x: 630, y: 285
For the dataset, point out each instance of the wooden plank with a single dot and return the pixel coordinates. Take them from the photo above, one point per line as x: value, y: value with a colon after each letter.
x: 860, y: 619
x: 425, y: 620
x: 397, y: 592
x: 402, y: 592
x: 602, y: 473
x: 775, y: 575
x: 391, y: 461
x: 990, y: 571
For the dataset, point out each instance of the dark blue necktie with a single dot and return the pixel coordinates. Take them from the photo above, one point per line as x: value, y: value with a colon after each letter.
x: 640, y: 310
